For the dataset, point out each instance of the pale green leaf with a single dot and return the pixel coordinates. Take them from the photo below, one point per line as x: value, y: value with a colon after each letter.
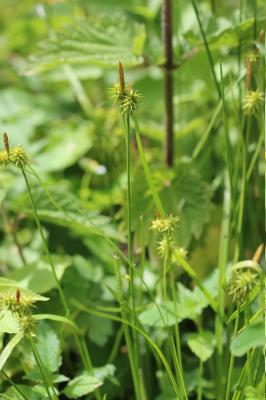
x: 8, y: 285
x: 202, y: 344
x: 8, y: 324
x: 251, y: 337
x: 82, y: 385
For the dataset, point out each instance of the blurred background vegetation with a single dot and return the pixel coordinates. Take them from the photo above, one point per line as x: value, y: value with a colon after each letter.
x: 58, y: 60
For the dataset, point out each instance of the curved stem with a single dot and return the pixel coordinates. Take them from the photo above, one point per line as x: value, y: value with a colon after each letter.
x: 48, y: 255
x: 40, y: 366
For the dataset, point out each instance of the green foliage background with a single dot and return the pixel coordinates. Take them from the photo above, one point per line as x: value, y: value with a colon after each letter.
x: 58, y: 60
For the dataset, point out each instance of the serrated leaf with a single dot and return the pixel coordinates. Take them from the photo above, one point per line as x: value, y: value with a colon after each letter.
x: 82, y: 385
x: 202, y: 344
x: 48, y: 346
x: 104, y: 372
x: 251, y: 337
x: 99, y: 40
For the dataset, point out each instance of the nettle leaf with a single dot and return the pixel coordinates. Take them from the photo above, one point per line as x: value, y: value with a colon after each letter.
x: 202, y: 344
x: 48, y: 346
x: 82, y: 385
x: 228, y: 37
x: 251, y: 337
x: 100, y: 40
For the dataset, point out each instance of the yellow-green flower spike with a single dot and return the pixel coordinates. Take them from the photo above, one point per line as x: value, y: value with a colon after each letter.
x: 19, y: 157
x: 252, y: 102
x: 162, y: 225
x: 124, y: 95
x: 4, y: 158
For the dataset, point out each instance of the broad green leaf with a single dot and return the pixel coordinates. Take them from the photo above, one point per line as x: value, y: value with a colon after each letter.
x: 9, y: 348
x: 8, y: 324
x: 257, y: 392
x: 30, y: 392
x: 48, y: 346
x: 202, y: 344
x: 104, y: 372
x: 230, y: 36
x: 190, y: 305
x: 100, y: 330
x: 39, y: 277
x: 82, y: 385
x: 251, y: 337
x: 9, y: 285
x: 99, y: 40
x: 20, y: 113
x: 64, y: 150
x: 155, y: 318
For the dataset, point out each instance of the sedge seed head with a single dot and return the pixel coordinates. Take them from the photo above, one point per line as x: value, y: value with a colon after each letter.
x: 162, y: 225
x: 19, y: 157
x: 253, y: 102
x: 241, y: 283
x: 166, y: 246
x: 4, y: 158
x: 124, y: 95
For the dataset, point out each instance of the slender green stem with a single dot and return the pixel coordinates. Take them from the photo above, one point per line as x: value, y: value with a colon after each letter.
x: 231, y: 363
x: 130, y: 243
x: 13, y: 385
x: 140, y: 331
x: 81, y: 349
x: 147, y: 171
x: 199, y: 394
x: 48, y: 255
x: 227, y: 145
x: 130, y: 347
x: 40, y: 366
x: 222, y: 263
x: 206, y: 47
x: 177, y: 333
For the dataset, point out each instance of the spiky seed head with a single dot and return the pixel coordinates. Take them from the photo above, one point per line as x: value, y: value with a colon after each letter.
x: 241, y: 283
x: 162, y: 225
x: 4, y: 158
x: 124, y: 95
x: 253, y: 102
x: 27, y: 324
x: 19, y: 157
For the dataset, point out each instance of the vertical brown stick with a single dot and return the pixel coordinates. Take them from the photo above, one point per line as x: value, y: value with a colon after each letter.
x: 169, y: 90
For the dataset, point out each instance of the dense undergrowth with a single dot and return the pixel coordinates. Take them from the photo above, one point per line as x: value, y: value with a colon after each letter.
x: 132, y: 200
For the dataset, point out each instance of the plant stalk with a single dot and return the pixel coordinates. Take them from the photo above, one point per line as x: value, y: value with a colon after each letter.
x: 167, y: 31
